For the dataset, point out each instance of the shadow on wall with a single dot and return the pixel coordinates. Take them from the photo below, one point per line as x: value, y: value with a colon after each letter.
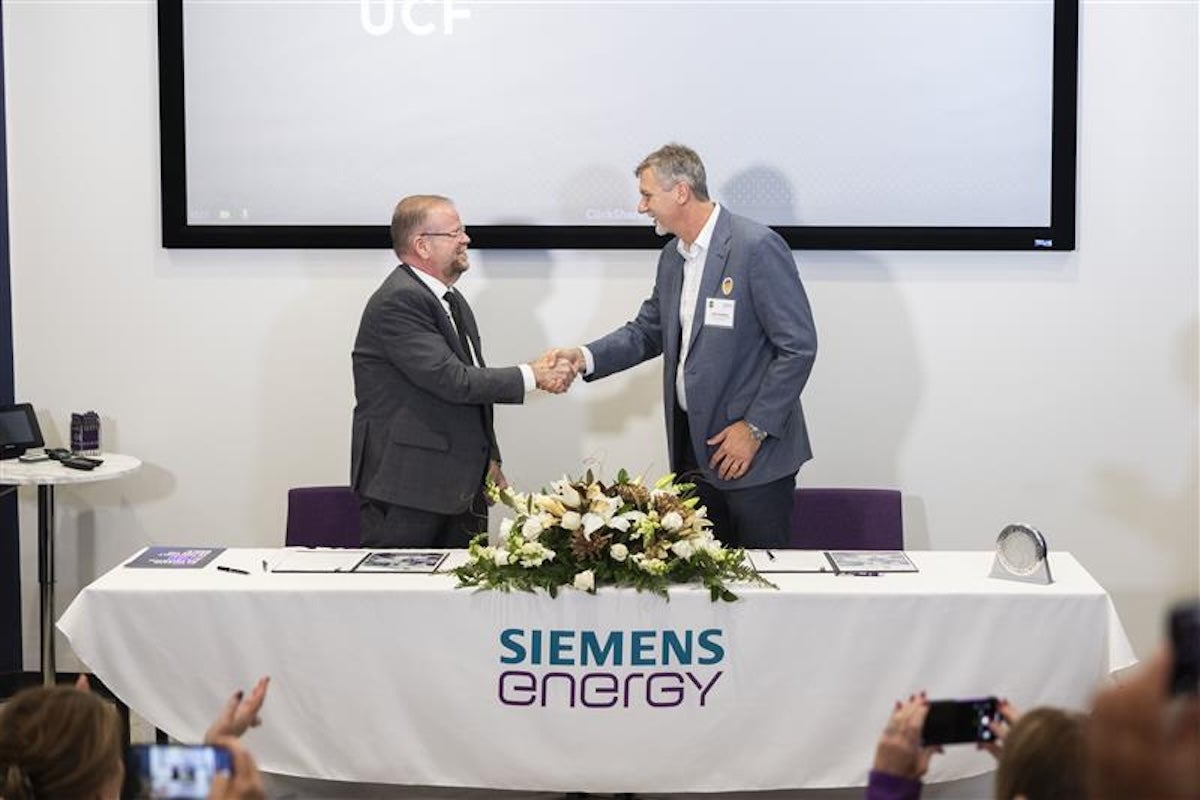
x: 305, y: 395
x: 1122, y: 492
x: 542, y: 437
x: 526, y: 306
x: 865, y: 387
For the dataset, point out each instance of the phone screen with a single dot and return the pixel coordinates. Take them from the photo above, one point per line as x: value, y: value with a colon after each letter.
x: 1184, y: 630
x: 176, y: 771
x: 958, y: 721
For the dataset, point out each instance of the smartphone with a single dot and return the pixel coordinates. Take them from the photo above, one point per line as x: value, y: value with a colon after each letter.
x: 1183, y: 624
x: 958, y: 721
x: 174, y: 771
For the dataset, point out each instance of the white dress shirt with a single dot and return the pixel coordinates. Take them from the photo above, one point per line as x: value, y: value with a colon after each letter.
x: 439, y: 289
x: 693, y: 271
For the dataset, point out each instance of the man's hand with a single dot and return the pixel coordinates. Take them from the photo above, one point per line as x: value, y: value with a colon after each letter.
x: 899, y: 751
x: 239, y: 714
x: 574, y: 355
x: 735, y: 452
x: 496, y: 476
x: 553, y: 373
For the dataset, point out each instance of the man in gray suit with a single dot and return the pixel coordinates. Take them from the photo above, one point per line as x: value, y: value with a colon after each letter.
x: 423, y: 440
x: 732, y: 321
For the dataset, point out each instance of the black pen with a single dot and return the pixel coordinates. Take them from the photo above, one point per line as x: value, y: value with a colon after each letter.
x: 770, y: 555
x: 224, y: 568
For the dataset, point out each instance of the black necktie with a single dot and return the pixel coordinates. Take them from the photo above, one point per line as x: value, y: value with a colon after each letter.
x: 456, y: 306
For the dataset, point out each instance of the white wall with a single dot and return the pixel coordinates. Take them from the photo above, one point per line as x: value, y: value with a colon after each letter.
x: 1054, y: 388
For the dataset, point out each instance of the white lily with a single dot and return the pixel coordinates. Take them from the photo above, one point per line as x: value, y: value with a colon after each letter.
x: 566, y: 493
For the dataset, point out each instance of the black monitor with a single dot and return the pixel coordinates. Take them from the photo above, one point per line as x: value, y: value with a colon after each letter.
x: 19, y: 430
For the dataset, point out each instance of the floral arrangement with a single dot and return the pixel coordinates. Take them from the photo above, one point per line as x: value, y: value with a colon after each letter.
x: 586, y: 534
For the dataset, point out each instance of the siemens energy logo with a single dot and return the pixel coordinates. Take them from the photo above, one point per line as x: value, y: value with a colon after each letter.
x: 619, y: 669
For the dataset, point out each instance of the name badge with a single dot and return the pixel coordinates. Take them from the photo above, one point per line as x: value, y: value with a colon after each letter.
x: 718, y: 313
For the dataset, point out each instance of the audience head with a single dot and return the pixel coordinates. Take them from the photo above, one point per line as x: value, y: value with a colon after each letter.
x: 1043, y: 757
x: 1144, y: 744
x: 60, y: 743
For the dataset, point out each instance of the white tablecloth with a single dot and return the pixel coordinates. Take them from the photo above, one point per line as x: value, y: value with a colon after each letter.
x: 404, y: 679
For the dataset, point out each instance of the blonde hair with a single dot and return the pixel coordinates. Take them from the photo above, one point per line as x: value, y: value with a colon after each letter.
x: 58, y: 743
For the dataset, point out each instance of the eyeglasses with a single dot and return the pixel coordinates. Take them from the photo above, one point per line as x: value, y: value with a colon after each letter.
x: 454, y: 234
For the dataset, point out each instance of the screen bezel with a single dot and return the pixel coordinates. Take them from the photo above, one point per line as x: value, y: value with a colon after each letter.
x: 12, y: 449
x: 177, y: 232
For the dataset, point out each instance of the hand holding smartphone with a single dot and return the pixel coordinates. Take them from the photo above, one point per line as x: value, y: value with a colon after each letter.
x: 1184, y: 630
x: 174, y: 771
x: 960, y: 721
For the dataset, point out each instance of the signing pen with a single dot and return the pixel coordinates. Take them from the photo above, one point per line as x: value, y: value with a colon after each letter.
x: 224, y: 568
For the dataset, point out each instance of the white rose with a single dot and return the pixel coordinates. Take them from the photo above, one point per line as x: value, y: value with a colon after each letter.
x: 619, y: 552
x: 500, y: 557
x: 683, y: 548
x: 571, y: 521
x: 672, y: 521
x: 506, y: 526
x: 585, y: 581
x: 532, y: 528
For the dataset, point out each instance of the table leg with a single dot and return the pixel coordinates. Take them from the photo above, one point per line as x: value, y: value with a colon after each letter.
x: 46, y: 578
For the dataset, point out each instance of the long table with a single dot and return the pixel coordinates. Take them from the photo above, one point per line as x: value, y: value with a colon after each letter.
x: 402, y: 678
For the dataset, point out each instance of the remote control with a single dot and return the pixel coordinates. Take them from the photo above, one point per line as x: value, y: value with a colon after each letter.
x: 78, y: 462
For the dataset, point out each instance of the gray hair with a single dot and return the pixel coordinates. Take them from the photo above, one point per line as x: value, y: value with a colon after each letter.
x: 676, y: 163
x: 410, y: 216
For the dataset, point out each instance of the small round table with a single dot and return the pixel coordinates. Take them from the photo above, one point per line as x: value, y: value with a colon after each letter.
x: 46, y: 475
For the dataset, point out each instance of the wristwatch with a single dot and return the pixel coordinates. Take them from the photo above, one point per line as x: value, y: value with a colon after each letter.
x: 758, y: 433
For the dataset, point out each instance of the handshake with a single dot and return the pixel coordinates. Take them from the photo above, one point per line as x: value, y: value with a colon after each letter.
x: 554, y: 370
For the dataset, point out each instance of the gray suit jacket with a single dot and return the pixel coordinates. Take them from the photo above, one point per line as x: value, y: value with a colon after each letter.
x: 753, y: 371
x: 422, y: 432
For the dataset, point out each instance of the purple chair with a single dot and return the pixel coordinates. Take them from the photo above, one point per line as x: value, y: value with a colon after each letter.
x: 847, y: 519
x: 322, y: 516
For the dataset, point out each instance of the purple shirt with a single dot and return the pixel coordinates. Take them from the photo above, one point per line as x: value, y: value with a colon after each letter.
x: 884, y: 786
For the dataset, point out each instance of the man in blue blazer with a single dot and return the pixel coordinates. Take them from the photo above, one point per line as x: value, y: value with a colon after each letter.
x: 423, y: 441
x: 731, y: 319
